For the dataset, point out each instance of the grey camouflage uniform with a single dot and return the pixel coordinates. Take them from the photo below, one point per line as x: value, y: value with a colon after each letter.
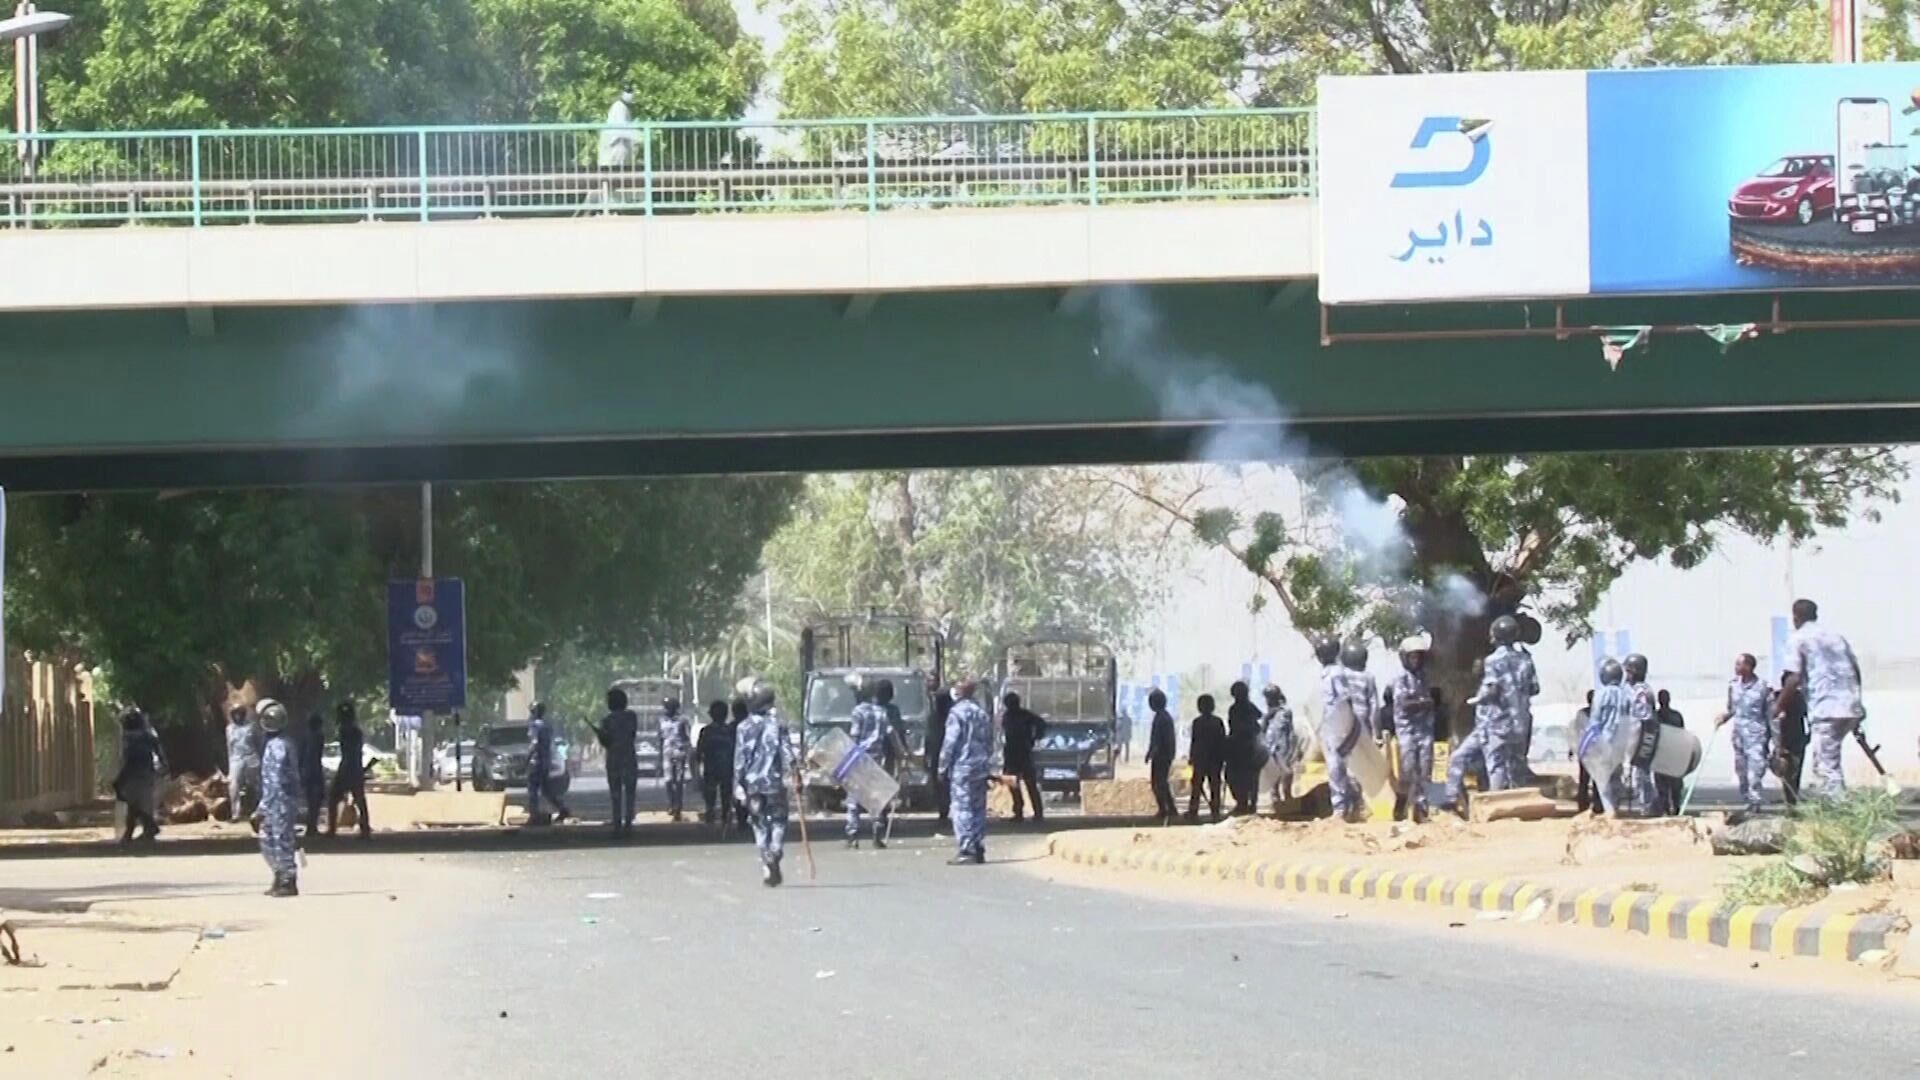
x: 966, y: 760
x: 1748, y: 707
x: 869, y: 729
x: 1642, y: 795
x: 676, y: 747
x: 1526, y: 687
x: 1830, y: 680
x: 760, y: 771
x: 1612, y: 707
x: 1344, y: 789
x: 280, y: 793
x: 1277, y: 737
x: 1413, y: 729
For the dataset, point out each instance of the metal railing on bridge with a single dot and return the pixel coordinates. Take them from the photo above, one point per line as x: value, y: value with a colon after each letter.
x: 215, y: 176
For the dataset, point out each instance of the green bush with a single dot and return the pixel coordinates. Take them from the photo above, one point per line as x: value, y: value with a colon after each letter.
x: 1847, y: 836
x: 1772, y: 882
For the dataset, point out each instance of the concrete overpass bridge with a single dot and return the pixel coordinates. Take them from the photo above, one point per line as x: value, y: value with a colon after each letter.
x: 222, y: 307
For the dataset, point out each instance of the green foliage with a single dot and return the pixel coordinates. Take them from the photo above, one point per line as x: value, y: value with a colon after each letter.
x: 983, y: 553
x: 147, y: 64
x: 1769, y: 883
x: 920, y: 57
x: 178, y: 597
x: 1846, y: 837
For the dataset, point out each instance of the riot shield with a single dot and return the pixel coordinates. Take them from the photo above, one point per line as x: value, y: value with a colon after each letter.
x: 853, y: 770
x: 1365, y: 762
x: 1678, y: 753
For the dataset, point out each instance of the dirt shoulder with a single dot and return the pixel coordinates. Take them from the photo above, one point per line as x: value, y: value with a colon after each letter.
x: 201, y: 976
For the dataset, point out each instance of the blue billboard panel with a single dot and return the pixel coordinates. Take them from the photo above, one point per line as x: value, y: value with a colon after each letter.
x: 426, y: 646
x: 1756, y: 178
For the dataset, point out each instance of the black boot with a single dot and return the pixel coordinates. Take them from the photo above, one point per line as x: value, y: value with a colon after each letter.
x: 773, y: 873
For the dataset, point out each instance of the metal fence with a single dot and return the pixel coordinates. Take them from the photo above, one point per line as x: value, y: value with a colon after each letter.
x: 435, y: 173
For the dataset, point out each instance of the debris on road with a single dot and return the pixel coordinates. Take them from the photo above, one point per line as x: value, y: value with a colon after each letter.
x: 825, y: 973
x: 591, y: 896
x: 1754, y: 836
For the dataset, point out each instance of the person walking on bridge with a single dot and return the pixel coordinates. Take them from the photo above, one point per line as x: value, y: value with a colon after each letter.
x: 617, y: 733
x: 966, y: 761
x: 1820, y: 664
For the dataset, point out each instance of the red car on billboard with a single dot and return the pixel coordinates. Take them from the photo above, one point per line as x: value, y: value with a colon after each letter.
x: 1797, y: 188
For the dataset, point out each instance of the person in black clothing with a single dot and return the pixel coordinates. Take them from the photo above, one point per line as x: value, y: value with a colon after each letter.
x: 1669, y: 787
x: 313, y: 775
x: 143, y: 765
x: 1790, y: 749
x: 1207, y: 753
x: 1161, y: 747
x: 350, y: 779
x: 713, y: 758
x: 1243, y: 751
x: 937, y: 738
x: 617, y: 733
x: 1020, y: 728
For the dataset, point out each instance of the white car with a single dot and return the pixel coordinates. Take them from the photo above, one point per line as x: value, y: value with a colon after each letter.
x: 372, y: 755
x: 445, y: 767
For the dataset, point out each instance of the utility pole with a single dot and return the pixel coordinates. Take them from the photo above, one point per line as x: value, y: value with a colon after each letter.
x: 425, y: 780
x: 1843, y: 23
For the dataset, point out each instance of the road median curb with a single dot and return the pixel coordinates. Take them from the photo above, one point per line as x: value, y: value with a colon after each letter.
x: 1776, y: 931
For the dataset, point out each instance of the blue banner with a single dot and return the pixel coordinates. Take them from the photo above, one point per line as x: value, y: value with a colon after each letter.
x: 426, y: 646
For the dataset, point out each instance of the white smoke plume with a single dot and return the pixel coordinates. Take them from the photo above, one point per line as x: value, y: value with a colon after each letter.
x: 399, y: 369
x: 1247, y: 423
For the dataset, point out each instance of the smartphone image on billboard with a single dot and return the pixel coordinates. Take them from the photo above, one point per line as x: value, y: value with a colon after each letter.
x: 1862, y: 122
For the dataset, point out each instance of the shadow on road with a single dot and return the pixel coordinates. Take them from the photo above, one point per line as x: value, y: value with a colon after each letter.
x: 524, y: 838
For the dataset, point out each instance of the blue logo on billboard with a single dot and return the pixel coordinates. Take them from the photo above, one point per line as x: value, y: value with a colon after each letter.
x: 1433, y: 243
x: 1476, y: 134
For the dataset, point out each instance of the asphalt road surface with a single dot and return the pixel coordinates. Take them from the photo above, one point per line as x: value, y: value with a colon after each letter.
x: 891, y: 963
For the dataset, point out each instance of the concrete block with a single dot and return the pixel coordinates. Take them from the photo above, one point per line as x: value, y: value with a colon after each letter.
x: 1523, y: 804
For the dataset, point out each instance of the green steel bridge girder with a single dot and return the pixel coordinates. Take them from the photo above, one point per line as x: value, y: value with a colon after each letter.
x: 593, y: 388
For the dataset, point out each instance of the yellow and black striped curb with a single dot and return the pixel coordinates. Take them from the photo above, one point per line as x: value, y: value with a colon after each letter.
x: 1438, y: 890
x: 1779, y: 931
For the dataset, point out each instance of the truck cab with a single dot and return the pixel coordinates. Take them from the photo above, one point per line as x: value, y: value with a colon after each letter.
x: 1072, y: 681
x: 906, y: 651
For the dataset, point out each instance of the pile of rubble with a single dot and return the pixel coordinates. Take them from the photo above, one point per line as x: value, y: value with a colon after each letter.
x: 190, y: 798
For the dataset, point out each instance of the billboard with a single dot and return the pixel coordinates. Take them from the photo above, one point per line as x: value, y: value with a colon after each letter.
x: 1669, y: 180
x: 426, y: 645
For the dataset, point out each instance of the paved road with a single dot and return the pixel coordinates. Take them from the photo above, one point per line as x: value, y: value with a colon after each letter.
x: 894, y: 964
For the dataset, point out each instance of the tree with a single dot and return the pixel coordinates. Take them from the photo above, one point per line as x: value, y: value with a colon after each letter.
x: 983, y: 554
x: 1383, y: 544
x: 932, y: 57
x: 181, y: 598
x: 155, y: 64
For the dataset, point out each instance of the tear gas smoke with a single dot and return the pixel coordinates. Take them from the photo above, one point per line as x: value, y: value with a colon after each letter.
x: 1245, y: 422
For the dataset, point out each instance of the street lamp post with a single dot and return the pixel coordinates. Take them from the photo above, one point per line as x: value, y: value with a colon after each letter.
x: 24, y: 30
